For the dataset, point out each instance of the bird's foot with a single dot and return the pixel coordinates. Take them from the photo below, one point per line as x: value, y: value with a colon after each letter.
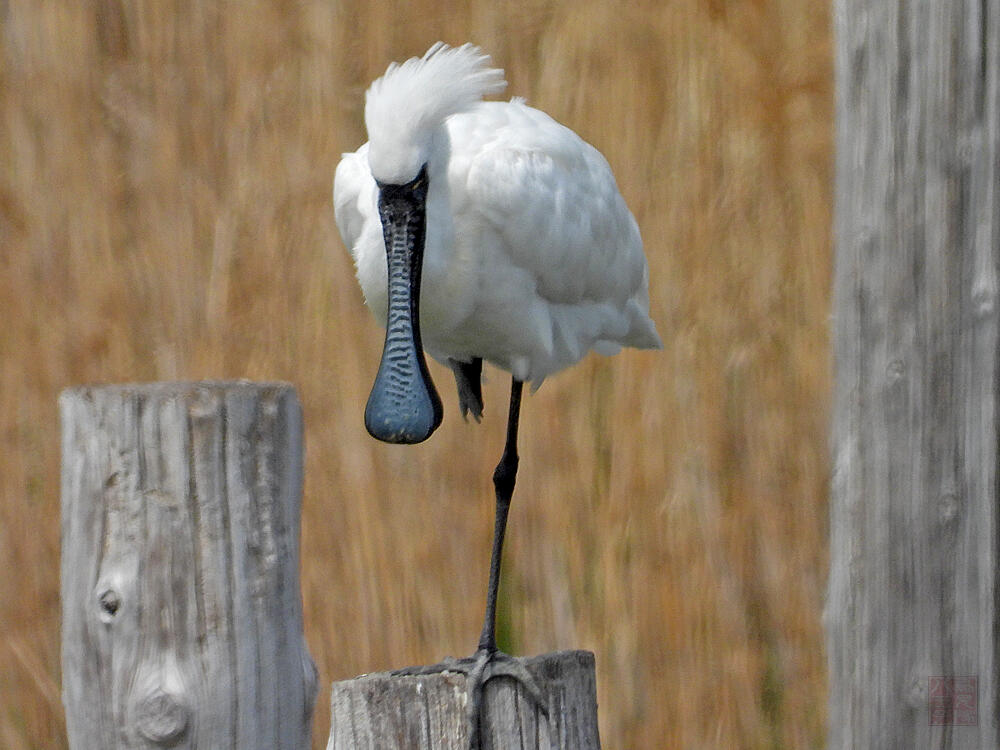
x: 468, y: 378
x: 480, y: 668
x: 484, y: 666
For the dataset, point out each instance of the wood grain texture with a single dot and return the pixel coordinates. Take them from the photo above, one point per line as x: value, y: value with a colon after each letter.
x: 182, y: 617
x: 913, y: 589
x: 427, y: 712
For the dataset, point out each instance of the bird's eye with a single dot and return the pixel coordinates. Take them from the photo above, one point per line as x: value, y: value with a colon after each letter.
x: 420, y: 181
x: 417, y: 183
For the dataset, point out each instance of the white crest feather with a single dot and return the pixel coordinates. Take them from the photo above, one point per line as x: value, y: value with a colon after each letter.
x: 412, y: 99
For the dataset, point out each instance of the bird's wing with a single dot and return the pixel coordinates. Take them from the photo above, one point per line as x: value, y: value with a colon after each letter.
x: 553, y: 200
x: 353, y: 185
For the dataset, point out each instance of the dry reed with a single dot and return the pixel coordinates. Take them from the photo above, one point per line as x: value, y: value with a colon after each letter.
x: 165, y: 213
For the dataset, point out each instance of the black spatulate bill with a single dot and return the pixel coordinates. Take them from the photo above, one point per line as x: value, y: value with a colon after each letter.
x: 403, y: 406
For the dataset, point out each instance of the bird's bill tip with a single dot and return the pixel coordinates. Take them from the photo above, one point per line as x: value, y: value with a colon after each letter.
x: 390, y: 421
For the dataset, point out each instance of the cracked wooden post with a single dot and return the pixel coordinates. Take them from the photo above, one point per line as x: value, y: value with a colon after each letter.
x: 182, y: 615
x: 427, y: 712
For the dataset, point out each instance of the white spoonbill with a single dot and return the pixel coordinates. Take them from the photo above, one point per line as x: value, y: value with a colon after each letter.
x: 482, y: 230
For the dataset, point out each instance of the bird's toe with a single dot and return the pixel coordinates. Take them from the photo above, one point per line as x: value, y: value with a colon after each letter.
x: 503, y: 665
x: 468, y: 379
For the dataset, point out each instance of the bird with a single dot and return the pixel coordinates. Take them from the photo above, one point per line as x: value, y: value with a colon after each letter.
x: 482, y: 231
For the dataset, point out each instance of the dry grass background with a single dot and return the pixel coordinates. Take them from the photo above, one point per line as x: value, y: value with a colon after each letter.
x: 165, y: 213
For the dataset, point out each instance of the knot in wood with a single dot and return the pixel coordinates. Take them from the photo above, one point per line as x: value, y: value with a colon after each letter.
x: 948, y: 506
x: 983, y: 297
x: 109, y: 602
x: 895, y: 371
x: 165, y: 499
x: 916, y: 691
x: 161, y: 718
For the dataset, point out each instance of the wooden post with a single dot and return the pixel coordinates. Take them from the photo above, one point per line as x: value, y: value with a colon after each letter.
x: 914, y: 590
x: 182, y: 616
x: 427, y: 712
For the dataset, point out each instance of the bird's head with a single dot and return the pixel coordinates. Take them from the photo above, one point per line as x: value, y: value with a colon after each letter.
x: 405, y: 112
x: 406, y: 108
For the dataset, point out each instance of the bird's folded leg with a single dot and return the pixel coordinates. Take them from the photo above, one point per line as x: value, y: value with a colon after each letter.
x: 468, y: 378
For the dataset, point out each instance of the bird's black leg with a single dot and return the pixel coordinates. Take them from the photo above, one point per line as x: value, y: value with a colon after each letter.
x: 503, y: 481
x: 488, y: 662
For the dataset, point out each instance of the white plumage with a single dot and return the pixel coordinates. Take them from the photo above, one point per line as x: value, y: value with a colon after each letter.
x: 531, y: 256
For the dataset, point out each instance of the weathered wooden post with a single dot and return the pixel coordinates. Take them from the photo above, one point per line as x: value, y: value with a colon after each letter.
x: 912, y: 609
x: 387, y: 712
x: 182, y: 615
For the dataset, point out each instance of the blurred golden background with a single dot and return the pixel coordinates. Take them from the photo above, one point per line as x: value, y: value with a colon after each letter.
x: 165, y: 214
